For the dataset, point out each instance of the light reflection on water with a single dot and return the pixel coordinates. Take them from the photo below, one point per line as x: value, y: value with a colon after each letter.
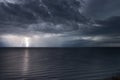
x: 58, y: 64
x: 26, y: 62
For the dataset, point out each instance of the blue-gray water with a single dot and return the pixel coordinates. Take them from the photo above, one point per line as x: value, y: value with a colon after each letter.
x: 59, y: 64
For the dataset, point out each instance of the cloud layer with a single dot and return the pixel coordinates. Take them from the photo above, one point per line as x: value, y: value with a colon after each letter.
x: 59, y: 23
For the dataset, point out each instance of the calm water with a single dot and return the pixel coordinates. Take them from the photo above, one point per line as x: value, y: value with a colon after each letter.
x: 59, y: 64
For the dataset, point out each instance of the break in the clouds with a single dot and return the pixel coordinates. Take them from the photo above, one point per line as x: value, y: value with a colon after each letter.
x: 59, y: 23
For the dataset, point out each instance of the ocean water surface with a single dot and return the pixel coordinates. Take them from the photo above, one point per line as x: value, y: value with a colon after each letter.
x: 59, y: 63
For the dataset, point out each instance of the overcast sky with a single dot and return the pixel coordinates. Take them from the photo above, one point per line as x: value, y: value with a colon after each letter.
x: 59, y: 23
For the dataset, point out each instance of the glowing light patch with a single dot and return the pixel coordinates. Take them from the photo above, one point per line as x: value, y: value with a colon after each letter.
x: 26, y: 41
x: 43, y: 40
x: 16, y: 41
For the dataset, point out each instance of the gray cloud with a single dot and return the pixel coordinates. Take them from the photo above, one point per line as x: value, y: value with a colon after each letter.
x: 102, y: 9
x: 59, y: 23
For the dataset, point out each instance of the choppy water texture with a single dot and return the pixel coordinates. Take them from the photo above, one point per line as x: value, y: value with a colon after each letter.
x: 59, y: 64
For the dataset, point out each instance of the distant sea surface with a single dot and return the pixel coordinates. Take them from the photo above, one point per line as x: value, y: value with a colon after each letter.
x: 58, y: 63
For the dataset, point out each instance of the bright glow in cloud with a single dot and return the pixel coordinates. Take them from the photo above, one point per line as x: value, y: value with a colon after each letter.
x: 27, y: 42
x: 45, y: 40
x: 51, y: 40
x: 16, y: 41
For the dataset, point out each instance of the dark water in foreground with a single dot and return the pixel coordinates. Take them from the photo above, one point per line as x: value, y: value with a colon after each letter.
x: 59, y: 64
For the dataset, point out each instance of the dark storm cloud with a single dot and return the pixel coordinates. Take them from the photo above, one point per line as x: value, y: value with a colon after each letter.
x: 106, y: 34
x: 40, y: 15
x: 101, y: 9
x: 93, y: 23
x: 110, y: 26
x: 106, y: 14
x: 46, y: 10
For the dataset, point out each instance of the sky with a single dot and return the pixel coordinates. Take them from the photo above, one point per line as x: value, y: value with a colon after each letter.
x: 59, y: 23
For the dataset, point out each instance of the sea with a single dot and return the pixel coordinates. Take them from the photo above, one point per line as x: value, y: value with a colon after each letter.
x: 59, y: 63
